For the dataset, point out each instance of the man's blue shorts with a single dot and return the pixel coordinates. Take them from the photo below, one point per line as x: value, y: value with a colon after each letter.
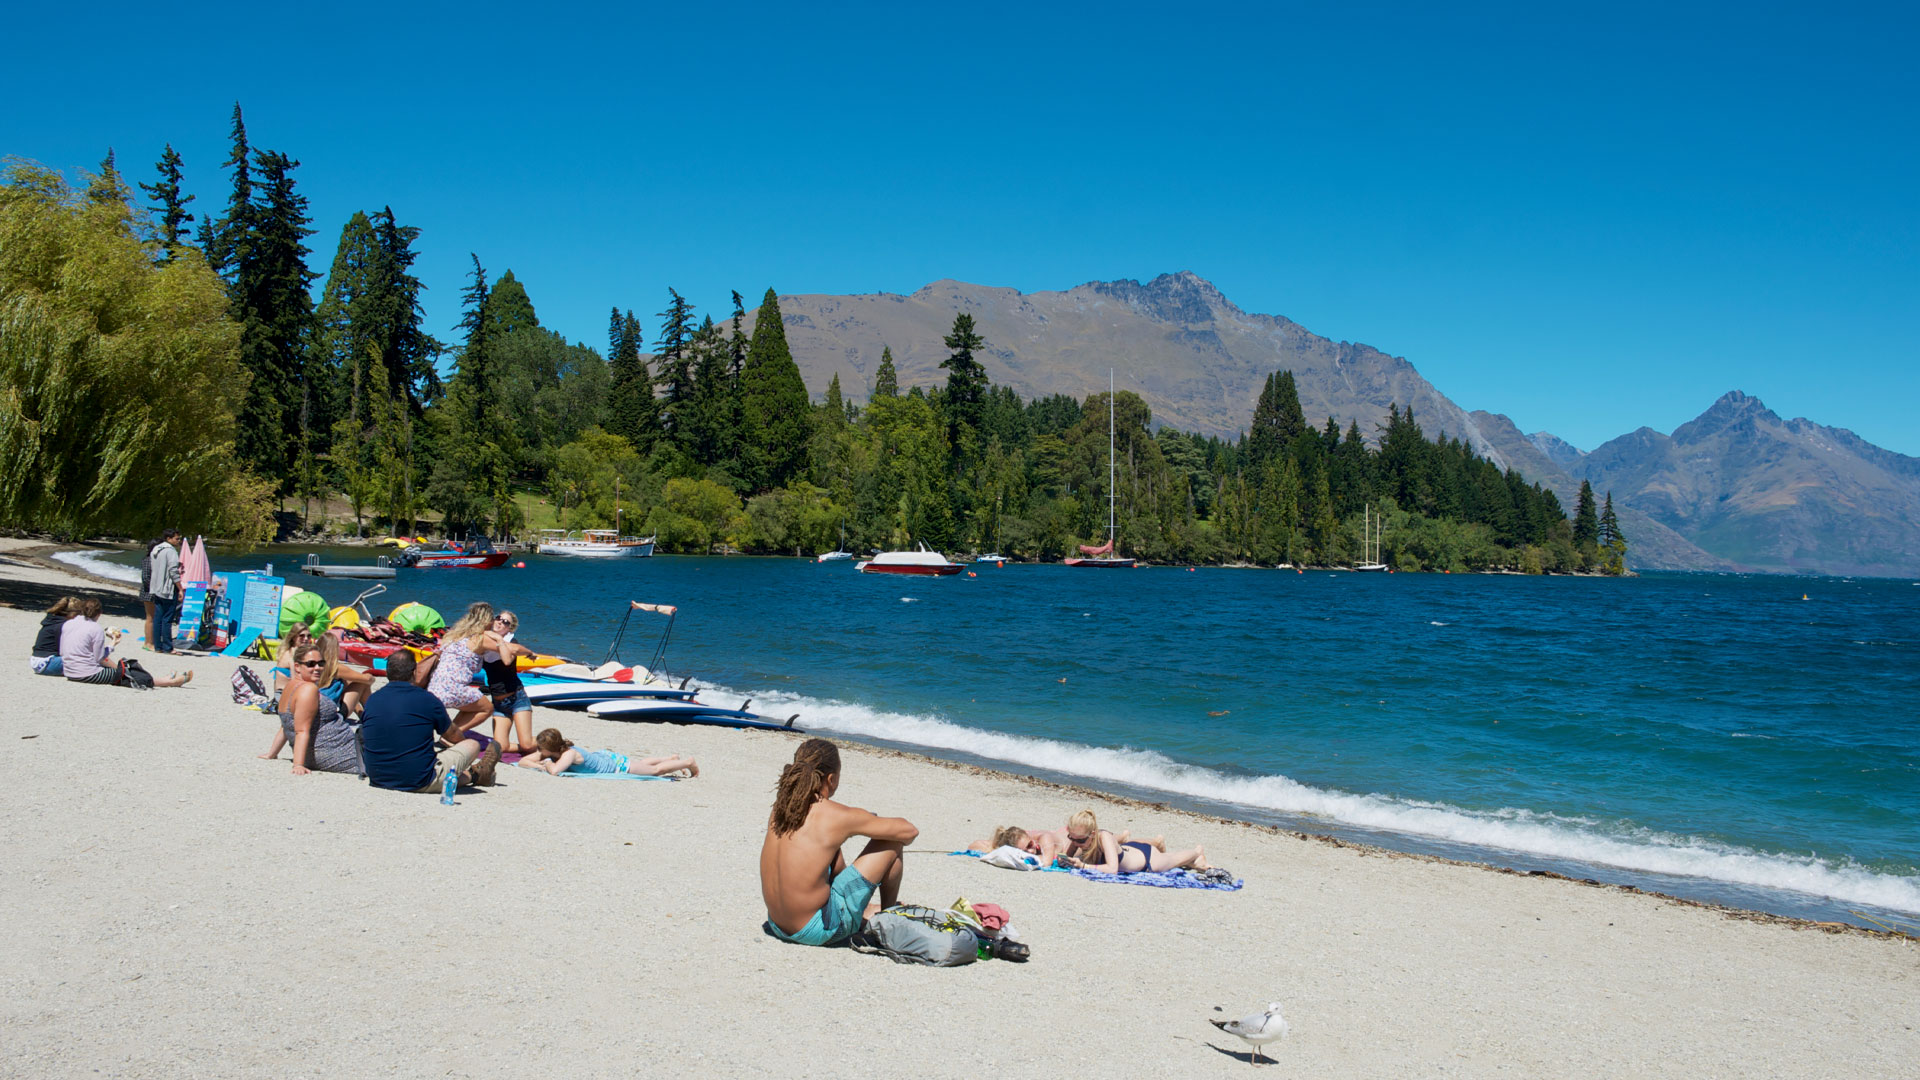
x: 846, y: 909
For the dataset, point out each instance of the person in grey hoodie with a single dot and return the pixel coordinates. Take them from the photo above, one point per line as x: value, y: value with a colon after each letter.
x: 164, y: 575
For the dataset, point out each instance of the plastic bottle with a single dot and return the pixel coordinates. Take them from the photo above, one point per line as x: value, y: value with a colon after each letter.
x: 447, y: 787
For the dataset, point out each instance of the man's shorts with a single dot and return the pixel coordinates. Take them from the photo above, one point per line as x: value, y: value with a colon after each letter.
x: 454, y: 758
x: 845, y: 911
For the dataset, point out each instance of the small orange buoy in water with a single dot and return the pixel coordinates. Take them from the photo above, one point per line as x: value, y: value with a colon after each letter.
x: 1001, y: 565
x: 972, y: 574
x: 519, y: 566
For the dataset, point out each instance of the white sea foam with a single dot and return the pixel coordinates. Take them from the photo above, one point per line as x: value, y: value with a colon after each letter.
x: 1542, y: 834
x: 1436, y: 623
x: 94, y: 563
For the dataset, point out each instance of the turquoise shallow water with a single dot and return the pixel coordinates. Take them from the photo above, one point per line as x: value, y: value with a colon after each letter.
x: 1712, y: 736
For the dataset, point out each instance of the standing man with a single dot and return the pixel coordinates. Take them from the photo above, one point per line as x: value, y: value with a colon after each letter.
x: 164, y: 580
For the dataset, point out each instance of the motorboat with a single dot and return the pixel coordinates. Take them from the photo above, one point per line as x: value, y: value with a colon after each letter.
x: 595, y: 544
x: 832, y: 556
x: 922, y: 562
x: 990, y: 558
x: 477, y: 554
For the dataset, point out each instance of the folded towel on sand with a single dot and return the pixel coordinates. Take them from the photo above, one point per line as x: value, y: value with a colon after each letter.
x: 1215, y: 878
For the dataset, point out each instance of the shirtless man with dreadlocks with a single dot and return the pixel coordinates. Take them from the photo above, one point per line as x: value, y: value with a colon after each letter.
x: 814, y: 896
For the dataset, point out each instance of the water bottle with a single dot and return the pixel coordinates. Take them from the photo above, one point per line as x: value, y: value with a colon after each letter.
x: 447, y: 786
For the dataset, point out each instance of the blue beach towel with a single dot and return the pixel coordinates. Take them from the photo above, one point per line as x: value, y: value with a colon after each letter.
x: 1165, y: 879
x: 610, y: 776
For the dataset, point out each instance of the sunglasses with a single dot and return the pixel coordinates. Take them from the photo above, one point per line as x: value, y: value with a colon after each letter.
x: 1078, y: 839
x: 310, y: 663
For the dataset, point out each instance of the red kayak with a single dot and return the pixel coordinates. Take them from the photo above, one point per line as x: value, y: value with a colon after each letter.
x: 455, y: 558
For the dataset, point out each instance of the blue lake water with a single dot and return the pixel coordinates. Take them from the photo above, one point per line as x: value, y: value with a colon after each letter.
x: 1717, y: 737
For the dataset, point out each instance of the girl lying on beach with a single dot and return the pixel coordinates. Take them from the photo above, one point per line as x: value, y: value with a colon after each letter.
x: 556, y: 755
x: 1093, y: 848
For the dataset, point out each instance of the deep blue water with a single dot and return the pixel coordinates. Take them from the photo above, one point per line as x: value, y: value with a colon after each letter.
x: 1713, y: 736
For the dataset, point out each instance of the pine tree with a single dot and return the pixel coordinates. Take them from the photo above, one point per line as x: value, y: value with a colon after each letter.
x: 107, y: 188
x: 271, y: 302
x: 224, y: 240
x: 1586, y: 528
x: 344, y: 339
x: 773, y: 402
x: 1277, y: 419
x: 630, y: 406
x: 675, y: 367
x: 407, y: 351
x: 885, y: 382
x: 472, y: 365
x: 966, y: 382
x: 709, y: 413
x: 170, y: 211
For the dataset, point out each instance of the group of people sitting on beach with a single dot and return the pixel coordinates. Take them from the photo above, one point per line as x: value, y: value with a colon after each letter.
x: 423, y: 725
x: 407, y: 735
x: 814, y: 896
x: 72, y: 643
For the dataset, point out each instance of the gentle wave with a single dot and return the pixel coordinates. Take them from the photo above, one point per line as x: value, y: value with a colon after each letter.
x: 95, y: 563
x: 1548, y: 835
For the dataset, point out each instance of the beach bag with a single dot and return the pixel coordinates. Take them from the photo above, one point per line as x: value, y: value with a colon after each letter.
x: 910, y: 934
x: 132, y: 674
x: 248, y: 690
x: 1011, y: 858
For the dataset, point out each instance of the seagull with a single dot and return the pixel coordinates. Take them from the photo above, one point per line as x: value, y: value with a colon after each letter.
x: 1258, y: 1030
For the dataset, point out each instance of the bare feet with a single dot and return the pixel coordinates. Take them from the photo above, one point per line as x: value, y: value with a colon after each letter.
x: 1200, y: 858
x: 693, y: 768
x: 275, y: 756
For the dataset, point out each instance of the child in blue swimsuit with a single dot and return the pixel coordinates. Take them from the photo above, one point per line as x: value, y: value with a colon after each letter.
x: 557, y: 755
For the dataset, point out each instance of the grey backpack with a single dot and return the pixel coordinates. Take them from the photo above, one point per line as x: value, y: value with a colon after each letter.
x: 910, y: 934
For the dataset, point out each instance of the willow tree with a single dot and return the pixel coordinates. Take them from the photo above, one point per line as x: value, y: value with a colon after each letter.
x: 119, y: 377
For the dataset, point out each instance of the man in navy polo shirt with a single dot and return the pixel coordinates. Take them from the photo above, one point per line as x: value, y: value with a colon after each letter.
x: 397, y: 737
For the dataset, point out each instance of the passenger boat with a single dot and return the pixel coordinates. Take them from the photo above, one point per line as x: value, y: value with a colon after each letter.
x: 594, y: 543
x: 922, y: 562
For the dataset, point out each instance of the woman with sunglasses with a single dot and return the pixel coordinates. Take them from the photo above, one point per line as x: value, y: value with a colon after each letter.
x: 323, y: 740
x: 512, y: 711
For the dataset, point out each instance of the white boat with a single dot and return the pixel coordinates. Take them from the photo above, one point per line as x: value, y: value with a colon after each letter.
x: 594, y: 543
x: 1373, y: 528
x: 989, y: 558
x: 923, y: 563
x: 837, y: 554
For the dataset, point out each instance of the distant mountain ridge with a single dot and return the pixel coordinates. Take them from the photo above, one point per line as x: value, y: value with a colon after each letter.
x: 1736, y: 488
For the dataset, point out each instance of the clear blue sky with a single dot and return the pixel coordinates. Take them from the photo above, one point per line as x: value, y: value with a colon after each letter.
x: 1589, y: 220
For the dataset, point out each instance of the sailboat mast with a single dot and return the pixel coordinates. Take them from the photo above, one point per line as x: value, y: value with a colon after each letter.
x: 1110, y: 464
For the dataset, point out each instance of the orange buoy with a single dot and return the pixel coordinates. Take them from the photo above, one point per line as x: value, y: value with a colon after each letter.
x: 972, y: 574
x: 519, y: 566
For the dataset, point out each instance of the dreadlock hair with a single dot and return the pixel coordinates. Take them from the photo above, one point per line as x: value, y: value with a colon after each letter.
x: 801, y: 784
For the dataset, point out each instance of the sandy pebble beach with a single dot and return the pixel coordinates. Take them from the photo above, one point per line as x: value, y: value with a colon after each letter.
x: 179, y: 907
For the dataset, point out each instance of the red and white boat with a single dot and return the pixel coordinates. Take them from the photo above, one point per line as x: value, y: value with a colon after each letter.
x: 923, y: 563
x: 1104, y: 557
x: 453, y: 556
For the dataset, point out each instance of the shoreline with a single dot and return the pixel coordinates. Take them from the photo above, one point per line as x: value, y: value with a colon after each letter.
x: 207, y: 913
x: 1199, y: 809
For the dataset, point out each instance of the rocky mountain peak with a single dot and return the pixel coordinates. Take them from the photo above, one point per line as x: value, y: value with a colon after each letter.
x: 1184, y: 298
x: 1734, y: 409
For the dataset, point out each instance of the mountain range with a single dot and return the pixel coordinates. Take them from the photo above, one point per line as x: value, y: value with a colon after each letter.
x: 1737, y: 488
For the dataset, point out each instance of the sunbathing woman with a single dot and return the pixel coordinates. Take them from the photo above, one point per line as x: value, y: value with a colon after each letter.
x: 556, y: 755
x: 1093, y: 848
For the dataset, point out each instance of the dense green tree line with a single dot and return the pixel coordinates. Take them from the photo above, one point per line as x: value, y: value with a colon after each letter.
x: 707, y: 436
